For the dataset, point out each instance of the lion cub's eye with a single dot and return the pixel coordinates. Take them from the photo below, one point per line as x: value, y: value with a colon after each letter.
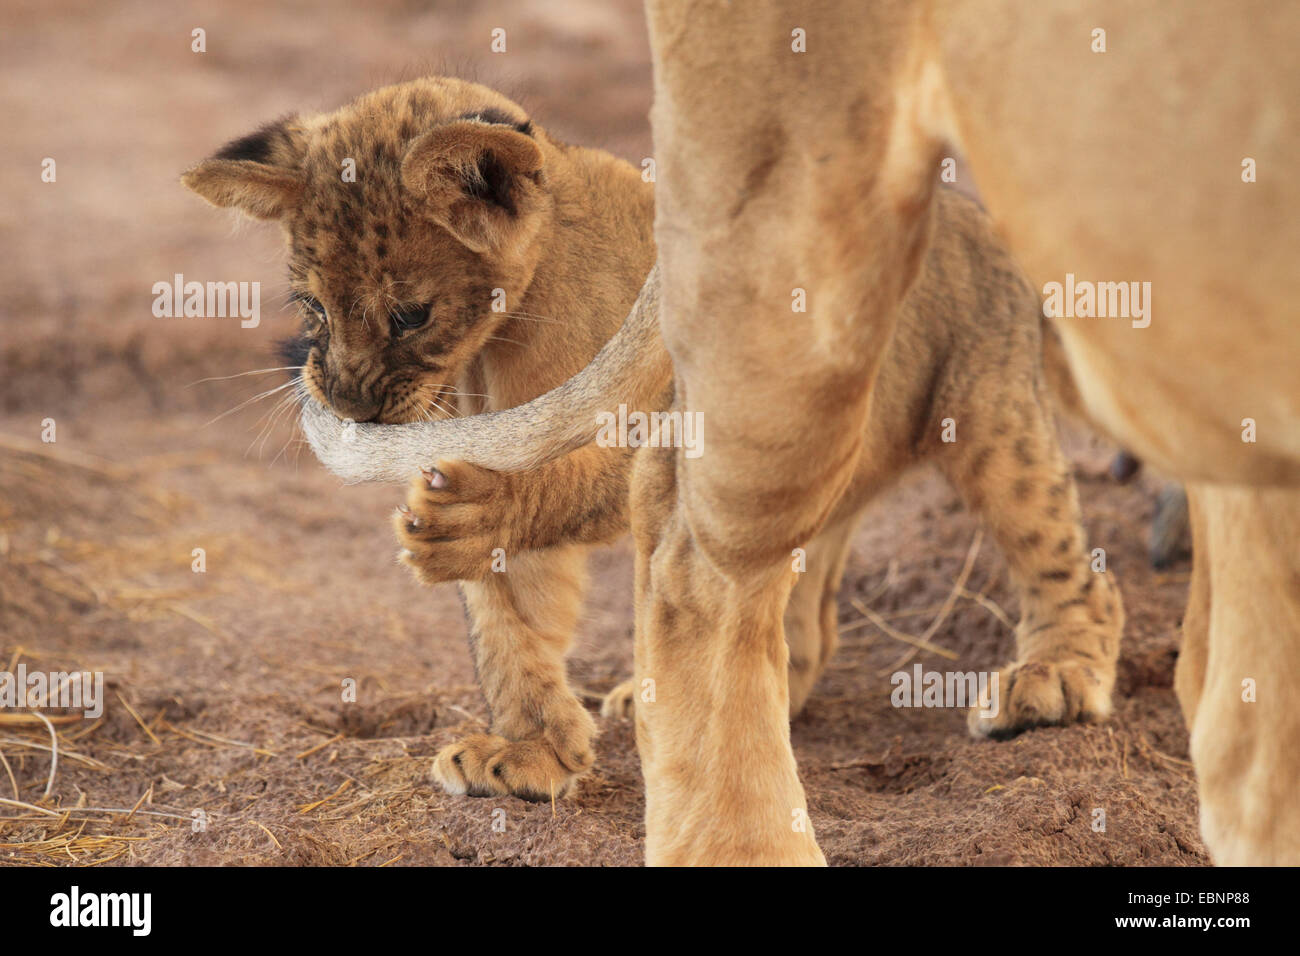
x: 404, y: 320
x: 310, y: 303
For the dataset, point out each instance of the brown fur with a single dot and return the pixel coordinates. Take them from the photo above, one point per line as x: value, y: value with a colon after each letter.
x: 967, y: 347
x: 569, y: 245
x: 413, y: 230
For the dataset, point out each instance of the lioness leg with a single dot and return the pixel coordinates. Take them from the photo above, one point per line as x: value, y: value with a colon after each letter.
x: 521, y: 624
x: 811, y: 627
x: 1071, y: 616
x: 1189, y: 675
x: 714, y: 742
x: 1246, y: 723
x: 777, y: 180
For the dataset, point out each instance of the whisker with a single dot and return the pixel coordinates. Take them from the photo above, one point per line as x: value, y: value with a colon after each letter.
x: 256, y: 371
x: 286, y: 407
x: 440, y: 406
x: 455, y: 392
x: 268, y: 422
x: 245, y: 404
x: 531, y: 317
x: 353, y: 307
x: 282, y: 447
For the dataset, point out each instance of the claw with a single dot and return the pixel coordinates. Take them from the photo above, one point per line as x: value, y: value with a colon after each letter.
x: 434, y: 477
x: 409, y: 515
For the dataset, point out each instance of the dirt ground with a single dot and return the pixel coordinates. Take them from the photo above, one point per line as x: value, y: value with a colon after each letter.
x: 223, y: 687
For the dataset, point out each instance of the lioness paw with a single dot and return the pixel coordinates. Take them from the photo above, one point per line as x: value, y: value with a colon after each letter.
x: 1040, y: 693
x: 486, y: 765
x: 454, y: 519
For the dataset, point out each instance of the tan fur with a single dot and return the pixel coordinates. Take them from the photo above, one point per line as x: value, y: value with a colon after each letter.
x: 1094, y: 195
x: 817, y: 171
x: 981, y: 365
x: 570, y: 252
x: 967, y: 347
x: 780, y: 170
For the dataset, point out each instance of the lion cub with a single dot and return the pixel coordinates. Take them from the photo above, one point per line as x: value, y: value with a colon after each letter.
x: 476, y: 263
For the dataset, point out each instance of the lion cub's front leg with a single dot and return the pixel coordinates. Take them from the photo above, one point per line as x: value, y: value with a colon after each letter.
x: 461, y: 522
x: 515, y: 541
x: 521, y: 624
x: 457, y: 519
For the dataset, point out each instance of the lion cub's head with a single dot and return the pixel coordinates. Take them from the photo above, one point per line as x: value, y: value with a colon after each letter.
x: 403, y: 212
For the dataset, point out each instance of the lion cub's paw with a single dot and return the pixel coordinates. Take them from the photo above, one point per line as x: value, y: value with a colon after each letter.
x: 485, y: 765
x: 1039, y: 693
x: 620, y: 703
x: 453, y: 520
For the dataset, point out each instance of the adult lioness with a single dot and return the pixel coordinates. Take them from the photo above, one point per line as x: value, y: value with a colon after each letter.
x: 1115, y: 142
x: 460, y: 201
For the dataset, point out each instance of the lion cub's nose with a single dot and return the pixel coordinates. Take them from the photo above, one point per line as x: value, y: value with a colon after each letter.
x: 349, y: 405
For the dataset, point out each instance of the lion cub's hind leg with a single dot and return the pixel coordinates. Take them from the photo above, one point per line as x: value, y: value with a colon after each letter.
x: 1013, y: 474
x: 811, y: 620
x: 521, y: 625
x: 620, y: 703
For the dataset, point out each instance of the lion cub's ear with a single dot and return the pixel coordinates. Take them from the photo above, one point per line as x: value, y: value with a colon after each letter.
x: 482, y: 181
x: 258, y: 174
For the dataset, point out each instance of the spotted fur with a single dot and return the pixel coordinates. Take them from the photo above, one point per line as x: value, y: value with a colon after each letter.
x: 462, y: 195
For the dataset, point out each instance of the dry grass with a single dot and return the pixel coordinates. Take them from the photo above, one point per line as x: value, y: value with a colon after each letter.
x: 63, y: 569
x: 52, y: 573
